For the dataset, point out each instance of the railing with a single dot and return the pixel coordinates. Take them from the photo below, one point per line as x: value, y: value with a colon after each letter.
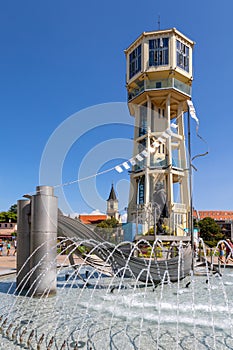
x: 182, y: 87
x: 160, y: 163
x: 159, y: 84
x: 157, y: 163
x: 138, y: 167
x: 179, y: 207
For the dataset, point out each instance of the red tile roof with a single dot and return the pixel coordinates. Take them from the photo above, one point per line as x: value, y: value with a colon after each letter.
x: 92, y: 219
x: 214, y: 214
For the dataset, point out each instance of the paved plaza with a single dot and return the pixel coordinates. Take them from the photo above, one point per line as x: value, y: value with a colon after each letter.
x: 8, y: 263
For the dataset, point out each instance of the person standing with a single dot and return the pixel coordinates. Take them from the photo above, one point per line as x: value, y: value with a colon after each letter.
x: 1, y: 247
x: 221, y: 248
x: 229, y: 250
x: 8, y: 248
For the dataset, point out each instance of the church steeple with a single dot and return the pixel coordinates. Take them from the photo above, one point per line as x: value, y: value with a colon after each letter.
x: 112, y: 195
x: 112, y: 205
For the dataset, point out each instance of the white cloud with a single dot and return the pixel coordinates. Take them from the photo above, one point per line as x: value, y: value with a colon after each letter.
x: 94, y: 212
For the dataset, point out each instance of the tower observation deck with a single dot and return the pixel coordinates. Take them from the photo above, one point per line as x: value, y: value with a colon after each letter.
x: 159, y: 81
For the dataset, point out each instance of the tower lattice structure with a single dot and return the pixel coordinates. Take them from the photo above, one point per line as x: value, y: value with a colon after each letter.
x: 159, y: 80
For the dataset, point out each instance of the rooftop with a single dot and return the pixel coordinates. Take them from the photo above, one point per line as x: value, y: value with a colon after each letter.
x: 92, y: 219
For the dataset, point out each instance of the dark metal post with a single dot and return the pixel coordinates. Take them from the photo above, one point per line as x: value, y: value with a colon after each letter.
x: 155, y: 219
x: 190, y: 191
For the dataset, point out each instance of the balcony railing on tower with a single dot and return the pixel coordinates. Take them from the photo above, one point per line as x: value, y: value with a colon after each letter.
x: 170, y: 83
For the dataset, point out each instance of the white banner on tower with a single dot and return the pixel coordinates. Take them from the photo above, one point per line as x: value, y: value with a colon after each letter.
x: 192, y: 111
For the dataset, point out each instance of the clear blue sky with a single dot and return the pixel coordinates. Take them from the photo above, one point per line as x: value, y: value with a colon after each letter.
x: 60, y: 57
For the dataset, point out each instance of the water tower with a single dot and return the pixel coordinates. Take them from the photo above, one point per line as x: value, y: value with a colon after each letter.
x: 159, y: 80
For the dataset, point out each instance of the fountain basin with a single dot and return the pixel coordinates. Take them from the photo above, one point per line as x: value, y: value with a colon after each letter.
x: 110, y: 312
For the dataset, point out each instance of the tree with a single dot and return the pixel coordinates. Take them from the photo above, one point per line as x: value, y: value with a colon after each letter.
x: 10, y: 215
x: 107, y: 228
x: 4, y: 216
x: 109, y: 223
x: 195, y: 223
x: 210, y: 231
x: 13, y: 209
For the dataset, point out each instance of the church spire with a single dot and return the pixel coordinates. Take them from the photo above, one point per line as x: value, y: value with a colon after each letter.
x: 112, y: 195
x: 112, y: 205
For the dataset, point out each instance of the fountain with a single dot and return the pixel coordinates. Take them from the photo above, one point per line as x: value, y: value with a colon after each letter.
x: 94, y: 304
x: 101, y: 310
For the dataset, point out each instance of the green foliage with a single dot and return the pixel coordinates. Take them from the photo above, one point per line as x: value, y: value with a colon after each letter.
x: 82, y: 249
x: 166, y: 228
x: 13, y: 209
x: 195, y: 223
x: 107, y: 228
x: 211, y: 244
x: 210, y: 231
x: 3, y: 216
x: 151, y: 231
x: 10, y: 215
x: 109, y: 223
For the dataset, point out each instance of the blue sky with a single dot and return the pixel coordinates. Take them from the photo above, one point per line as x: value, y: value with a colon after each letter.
x: 60, y: 57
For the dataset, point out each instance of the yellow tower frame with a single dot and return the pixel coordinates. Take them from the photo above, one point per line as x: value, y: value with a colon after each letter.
x: 159, y: 80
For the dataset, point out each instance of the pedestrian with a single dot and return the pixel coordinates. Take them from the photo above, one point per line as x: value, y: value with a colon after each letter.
x: 1, y: 247
x: 8, y: 247
x: 221, y: 248
x: 229, y: 250
x: 15, y: 246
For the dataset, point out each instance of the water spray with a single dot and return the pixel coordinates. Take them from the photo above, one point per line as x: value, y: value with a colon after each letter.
x: 30, y: 338
x: 21, y: 335
x: 8, y: 330
x: 63, y: 347
x: 14, y: 333
x: 50, y: 343
x: 40, y: 342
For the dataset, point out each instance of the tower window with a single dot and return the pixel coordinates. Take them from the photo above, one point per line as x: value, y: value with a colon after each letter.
x: 182, y: 55
x: 135, y: 61
x: 158, y: 52
x: 161, y: 148
x: 141, y: 190
x: 143, y: 120
x: 161, y: 113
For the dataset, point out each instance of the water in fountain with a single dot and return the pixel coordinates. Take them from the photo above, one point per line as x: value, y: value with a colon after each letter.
x: 97, y: 309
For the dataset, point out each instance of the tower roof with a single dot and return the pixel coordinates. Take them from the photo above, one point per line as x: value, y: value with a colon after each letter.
x: 112, y: 195
x: 159, y: 32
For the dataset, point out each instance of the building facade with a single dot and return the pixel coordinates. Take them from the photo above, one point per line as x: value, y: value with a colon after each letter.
x: 224, y: 219
x: 7, y: 229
